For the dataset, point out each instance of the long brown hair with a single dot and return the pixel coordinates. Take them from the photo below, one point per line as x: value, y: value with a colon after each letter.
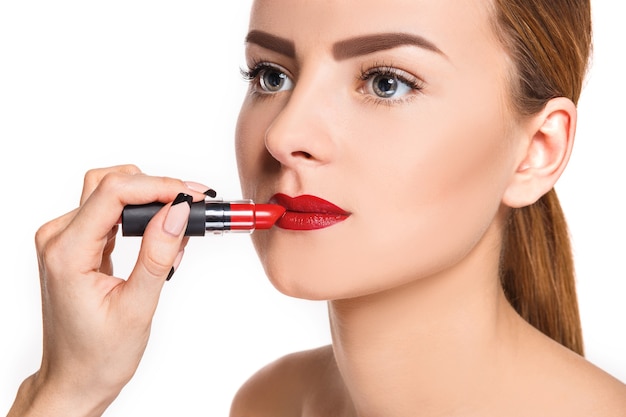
x: 549, y: 42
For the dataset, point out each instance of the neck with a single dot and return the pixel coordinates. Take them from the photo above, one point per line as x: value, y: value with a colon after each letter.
x: 435, y: 345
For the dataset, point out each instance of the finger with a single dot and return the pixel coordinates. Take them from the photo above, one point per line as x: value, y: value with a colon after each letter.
x: 52, y: 228
x: 93, y: 177
x: 106, y: 266
x: 90, y: 227
x: 160, y: 252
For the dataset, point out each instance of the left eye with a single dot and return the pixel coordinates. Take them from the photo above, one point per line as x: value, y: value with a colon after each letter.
x: 387, y: 84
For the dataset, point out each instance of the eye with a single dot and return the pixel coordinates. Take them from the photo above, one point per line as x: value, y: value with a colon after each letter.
x: 273, y: 81
x: 386, y: 86
x: 388, y: 83
x: 268, y: 78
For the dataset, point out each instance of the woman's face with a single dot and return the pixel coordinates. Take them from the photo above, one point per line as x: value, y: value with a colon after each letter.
x: 395, y: 113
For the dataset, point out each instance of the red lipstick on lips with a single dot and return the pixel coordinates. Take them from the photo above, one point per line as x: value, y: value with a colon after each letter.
x: 307, y: 212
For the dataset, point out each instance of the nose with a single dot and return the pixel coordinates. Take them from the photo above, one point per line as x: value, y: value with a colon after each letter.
x: 301, y: 132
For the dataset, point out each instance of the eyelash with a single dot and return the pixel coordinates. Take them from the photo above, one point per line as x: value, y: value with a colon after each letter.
x: 392, y: 72
x: 252, y: 72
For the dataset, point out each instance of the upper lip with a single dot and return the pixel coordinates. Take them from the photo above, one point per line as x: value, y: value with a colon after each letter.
x: 307, y: 204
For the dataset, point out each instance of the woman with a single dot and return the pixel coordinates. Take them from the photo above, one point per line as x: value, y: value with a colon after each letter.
x: 416, y: 160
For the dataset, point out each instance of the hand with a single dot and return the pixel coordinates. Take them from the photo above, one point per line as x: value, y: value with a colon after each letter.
x: 96, y: 326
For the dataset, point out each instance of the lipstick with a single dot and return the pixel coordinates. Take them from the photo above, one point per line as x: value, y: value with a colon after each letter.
x: 212, y: 216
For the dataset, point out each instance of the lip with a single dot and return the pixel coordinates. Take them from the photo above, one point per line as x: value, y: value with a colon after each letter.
x: 307, y: 212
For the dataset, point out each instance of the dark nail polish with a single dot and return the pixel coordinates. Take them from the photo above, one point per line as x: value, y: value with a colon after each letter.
x: 181, y: 198
x: 169, y: 276
x: 210, y: 193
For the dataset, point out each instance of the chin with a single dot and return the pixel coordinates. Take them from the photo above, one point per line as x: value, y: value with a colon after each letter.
x: 299, y: 270
x: 307, y: 284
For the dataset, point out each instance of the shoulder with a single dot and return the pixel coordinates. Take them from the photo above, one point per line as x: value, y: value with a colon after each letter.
x: 602, y: 394
x: 597, y: 393
x: 281, y: 387
x: 569, y: 383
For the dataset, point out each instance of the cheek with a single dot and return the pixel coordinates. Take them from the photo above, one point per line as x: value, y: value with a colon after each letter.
x: 441, y: 192
x: 252, y: 157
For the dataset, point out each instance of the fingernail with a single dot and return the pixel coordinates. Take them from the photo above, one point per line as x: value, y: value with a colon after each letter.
x: 171, y: 274
x: 179, y: 257
x: 201, y: 188
x: 178, y: 215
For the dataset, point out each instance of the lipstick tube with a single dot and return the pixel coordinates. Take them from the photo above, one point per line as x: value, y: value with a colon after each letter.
x: 213, y: 216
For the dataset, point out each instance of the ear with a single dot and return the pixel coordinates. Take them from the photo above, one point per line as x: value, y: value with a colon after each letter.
x: 544, y: 154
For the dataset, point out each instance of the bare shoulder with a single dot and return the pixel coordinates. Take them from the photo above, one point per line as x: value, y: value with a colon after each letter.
x: 281, y: 387
x: 571, y: 385
x: 602, y: 393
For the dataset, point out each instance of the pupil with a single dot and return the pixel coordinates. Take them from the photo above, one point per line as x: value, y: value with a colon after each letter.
x: 274, y: 80
x: 386, y: 86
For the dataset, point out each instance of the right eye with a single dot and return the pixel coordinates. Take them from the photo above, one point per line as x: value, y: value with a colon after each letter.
x: 269, y: 78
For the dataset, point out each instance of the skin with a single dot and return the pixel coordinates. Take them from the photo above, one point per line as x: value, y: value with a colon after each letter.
x: 419, y: 322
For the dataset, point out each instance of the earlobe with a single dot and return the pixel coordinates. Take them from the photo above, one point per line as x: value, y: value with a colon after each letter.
x: 545, y: 155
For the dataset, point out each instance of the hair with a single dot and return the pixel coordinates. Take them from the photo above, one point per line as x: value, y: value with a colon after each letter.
x: 549, y: 43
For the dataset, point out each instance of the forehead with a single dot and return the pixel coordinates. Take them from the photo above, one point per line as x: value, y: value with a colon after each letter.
x: 454, y: 26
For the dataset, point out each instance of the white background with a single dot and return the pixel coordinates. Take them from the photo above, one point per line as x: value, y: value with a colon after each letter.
x: 156, y: 83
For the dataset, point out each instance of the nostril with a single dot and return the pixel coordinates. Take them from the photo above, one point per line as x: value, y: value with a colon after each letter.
x: 302, y: 154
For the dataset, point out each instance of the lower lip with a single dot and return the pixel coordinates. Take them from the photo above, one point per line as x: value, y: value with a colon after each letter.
x: 293, y: 220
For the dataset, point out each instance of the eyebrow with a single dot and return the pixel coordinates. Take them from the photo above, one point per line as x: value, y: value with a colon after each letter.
x: 367, y: 44
x: 273, y: 43
x: 348, y: 48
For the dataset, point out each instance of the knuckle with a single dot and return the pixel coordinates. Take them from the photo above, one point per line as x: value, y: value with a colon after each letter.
x: 130, y: 169
x: 169, y: 182
x: 113, y: 182
x: 50, y: 240
x: 43, y: 234
x: 96, y: 176
x: 92, y: 175
x: 110, y: 180
x: 51, y: 256
x: 49, y: 230
x: 156, y: 265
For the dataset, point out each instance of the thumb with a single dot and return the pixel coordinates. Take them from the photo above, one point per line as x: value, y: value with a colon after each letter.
x: 161, y: 250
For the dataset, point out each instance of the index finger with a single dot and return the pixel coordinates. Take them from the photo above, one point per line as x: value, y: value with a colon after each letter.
x: 88, y: 230
x: 93, y: 177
